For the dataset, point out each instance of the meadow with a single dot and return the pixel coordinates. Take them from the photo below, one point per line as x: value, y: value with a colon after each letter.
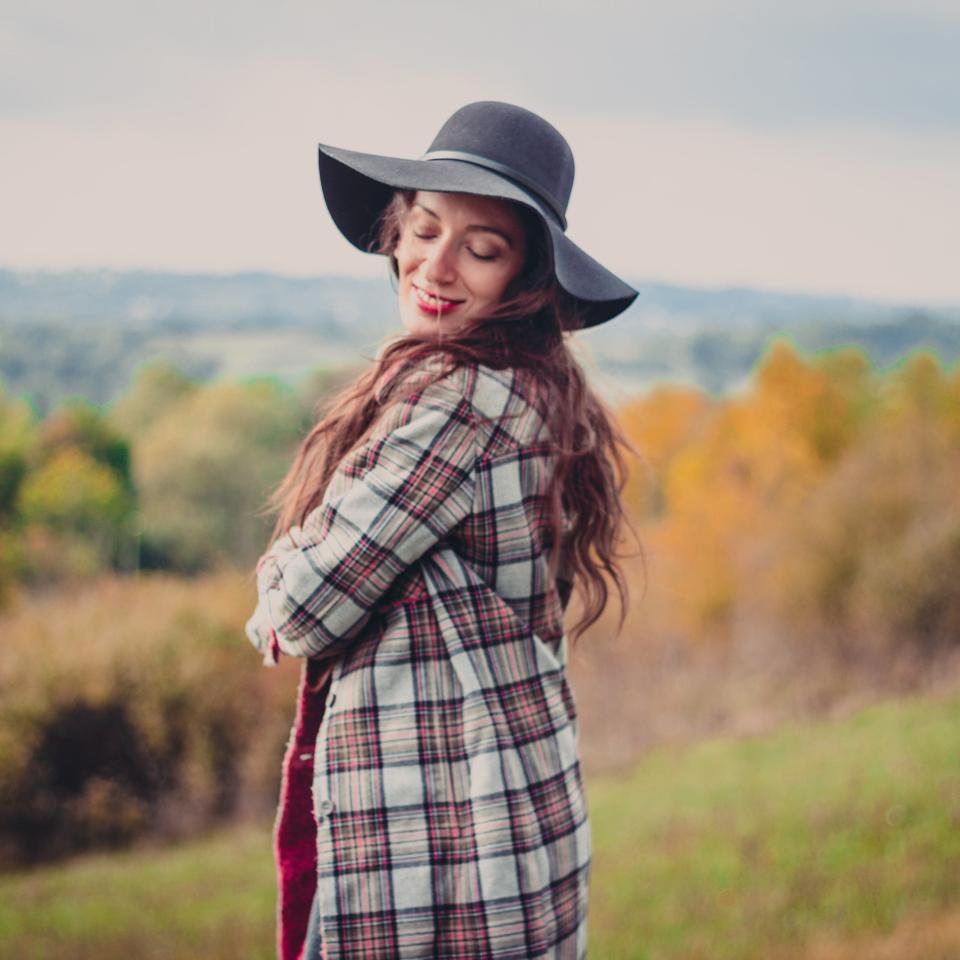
x: 823, y: 840
x: 760, y: 785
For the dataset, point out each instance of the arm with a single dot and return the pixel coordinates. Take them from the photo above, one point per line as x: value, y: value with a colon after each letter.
x: 318, y: 585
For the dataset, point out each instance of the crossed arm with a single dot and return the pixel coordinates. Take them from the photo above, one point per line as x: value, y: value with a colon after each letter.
x: 317, y: 585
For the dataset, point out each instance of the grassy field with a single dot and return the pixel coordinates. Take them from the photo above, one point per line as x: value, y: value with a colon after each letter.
x: 824, y: 841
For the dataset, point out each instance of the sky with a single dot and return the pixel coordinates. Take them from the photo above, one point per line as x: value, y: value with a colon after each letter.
x: 802, y: 145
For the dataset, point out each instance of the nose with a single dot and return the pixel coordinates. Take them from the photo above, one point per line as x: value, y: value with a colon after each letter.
x: 439, y: 265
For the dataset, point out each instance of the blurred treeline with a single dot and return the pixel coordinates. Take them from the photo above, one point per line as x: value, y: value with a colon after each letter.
x: 822, y: 504
x: 172, y: 476
x: 817, y: 512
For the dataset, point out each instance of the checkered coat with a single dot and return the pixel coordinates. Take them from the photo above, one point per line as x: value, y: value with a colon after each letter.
x: 448, y: 811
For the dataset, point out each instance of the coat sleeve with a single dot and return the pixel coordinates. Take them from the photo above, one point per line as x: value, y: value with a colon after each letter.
x: 408, y: 489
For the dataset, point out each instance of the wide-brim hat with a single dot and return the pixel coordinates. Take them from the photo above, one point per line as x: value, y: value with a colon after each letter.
x: 489, y: 149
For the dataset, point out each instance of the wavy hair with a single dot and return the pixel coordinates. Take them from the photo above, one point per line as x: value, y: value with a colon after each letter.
x: 527, y: 331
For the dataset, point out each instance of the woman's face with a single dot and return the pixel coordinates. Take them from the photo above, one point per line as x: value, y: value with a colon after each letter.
x: 456, y: 256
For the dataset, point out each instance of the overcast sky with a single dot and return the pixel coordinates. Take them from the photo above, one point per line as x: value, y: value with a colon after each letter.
x: 800, y: 145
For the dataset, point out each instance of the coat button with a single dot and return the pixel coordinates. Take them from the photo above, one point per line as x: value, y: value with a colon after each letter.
x: 332, y: 700
x: 326, y: 808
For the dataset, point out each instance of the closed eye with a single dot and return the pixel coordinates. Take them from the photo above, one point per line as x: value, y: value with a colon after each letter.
x: 478, y: 256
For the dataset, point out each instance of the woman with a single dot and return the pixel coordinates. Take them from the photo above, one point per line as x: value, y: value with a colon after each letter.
x: 430, y: 532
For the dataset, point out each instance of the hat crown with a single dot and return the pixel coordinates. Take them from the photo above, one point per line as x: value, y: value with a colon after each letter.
x: 514, y: 140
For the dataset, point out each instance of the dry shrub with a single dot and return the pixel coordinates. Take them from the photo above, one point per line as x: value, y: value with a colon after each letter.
x: 133, y: 705
x: 866, y: 569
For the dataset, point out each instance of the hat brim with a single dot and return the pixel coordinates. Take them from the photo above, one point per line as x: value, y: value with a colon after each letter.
x: 358, y: 186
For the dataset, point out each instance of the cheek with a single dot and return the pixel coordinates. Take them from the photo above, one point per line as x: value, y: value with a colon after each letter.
x: 404, y: 254
x: 495, y: 286
x: 499, y: 281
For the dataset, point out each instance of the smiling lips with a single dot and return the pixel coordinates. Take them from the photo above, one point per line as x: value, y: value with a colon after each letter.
x: 433, y: 304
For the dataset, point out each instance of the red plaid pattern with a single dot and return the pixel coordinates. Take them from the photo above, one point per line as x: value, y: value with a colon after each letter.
x: 450, y: 813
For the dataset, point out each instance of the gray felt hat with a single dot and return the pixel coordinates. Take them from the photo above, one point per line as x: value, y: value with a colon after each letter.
x: 490, y: 149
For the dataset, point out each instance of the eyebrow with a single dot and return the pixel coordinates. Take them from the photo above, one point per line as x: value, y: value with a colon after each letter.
x: 472, y: 226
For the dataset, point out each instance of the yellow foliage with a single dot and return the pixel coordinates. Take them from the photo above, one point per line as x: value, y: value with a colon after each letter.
x: 918, y: 389
x: 72, y: 491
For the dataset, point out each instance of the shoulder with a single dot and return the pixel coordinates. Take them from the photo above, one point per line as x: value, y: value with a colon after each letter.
x: 428, y: 396
x: 499, y: 404
x: 505, y: 401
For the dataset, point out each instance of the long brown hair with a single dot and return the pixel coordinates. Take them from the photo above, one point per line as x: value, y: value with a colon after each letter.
x: 528, y: 332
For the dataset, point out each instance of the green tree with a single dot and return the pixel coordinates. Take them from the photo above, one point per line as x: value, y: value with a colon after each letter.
x: 157, y: 386
x: 17, y: 436
x: 75, y: 511
x: 204, y: 468
x: 81, y: 425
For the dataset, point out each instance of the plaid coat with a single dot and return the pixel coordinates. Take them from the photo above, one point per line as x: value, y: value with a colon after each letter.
x: 448, y: 810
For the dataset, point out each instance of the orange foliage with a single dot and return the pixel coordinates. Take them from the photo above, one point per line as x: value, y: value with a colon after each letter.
x: 722, y: 474
x: 660, y: 424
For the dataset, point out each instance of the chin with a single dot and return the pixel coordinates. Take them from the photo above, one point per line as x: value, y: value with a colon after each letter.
x: 419, y: 326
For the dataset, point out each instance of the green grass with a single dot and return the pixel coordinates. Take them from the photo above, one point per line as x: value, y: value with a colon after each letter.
x: 727, y: 849
x: 211, y: 898
x: 735, y: 849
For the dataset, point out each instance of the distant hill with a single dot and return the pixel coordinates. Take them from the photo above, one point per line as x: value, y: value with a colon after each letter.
x: 85, y: 332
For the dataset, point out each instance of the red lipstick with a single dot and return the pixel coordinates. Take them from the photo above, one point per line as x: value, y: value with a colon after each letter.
x: 431, y: 304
